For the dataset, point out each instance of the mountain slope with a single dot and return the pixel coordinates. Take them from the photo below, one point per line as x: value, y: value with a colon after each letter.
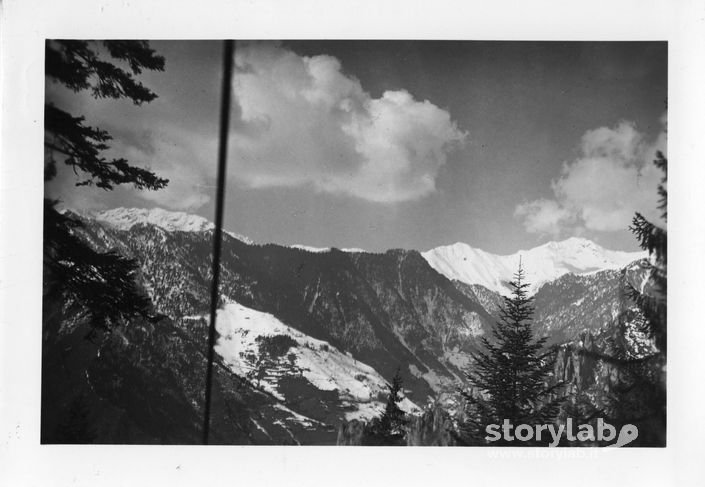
x: 308, y: 338
x: 256, y: 344
x: 572, y: 305
x: 385, y: 310
x: 145, y: 383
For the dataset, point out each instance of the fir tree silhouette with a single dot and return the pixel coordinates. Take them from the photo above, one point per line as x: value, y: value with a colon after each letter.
x: 388, y: 429
x: 511, y: 378
x: 639, y: 397
x: 101, y: 284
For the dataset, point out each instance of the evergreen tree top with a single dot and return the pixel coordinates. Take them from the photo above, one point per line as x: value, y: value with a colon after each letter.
x: 82, y: 65
x: 509, y: 377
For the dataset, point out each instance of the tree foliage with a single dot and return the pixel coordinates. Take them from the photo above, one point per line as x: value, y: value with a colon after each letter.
x: 654, y: 240
x: 510, y: 378
x: 78, y: 65
x: 101, y: 284
x: 639, y: 397
x: 76, y: 427
x: 388, y: 429
x: 266, y: 363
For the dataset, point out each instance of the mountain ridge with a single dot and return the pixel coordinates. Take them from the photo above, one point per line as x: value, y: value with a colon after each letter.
x: 306, y: 339
x: 458, y: 261
x: 541, y: 264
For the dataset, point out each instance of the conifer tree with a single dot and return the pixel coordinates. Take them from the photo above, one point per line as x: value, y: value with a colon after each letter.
x: 510, y: 378
x: 654, y: 240
x: 388, y: 429
x: 639, y: 396
x: 102, y: 285
x: 393, y: 418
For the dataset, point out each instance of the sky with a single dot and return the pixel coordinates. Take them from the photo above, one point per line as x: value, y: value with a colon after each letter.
x: 397, y: 144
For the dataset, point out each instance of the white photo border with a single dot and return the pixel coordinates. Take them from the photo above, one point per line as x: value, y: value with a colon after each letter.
x: 25, y: 26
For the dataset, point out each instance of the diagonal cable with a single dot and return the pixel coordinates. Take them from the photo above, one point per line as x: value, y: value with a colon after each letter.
x: 228, y: 51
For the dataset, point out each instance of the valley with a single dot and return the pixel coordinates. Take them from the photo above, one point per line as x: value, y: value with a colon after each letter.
x: 307, y: 338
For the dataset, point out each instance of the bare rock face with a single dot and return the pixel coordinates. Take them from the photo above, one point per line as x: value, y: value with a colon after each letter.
x: 577, y: 366
x: 432, y: 428
x: 350, y: 433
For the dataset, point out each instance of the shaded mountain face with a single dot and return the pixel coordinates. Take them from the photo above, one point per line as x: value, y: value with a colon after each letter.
x: 387, y: 310
x: 307, y: 339
x: 574, y: 304
x: 144, y: 384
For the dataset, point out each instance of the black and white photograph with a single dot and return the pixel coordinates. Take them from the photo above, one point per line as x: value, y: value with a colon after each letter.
x: 351, y: 241
x: 424, y: 243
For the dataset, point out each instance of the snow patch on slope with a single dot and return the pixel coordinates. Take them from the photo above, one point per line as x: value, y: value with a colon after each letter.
x: 321, y: 364
x: 541, y: 264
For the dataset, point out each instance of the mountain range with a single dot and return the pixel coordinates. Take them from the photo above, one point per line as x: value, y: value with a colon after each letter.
x: 542, y: 264
x: 308, y: 338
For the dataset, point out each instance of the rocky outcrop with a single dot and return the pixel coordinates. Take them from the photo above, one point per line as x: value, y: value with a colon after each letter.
x: 350, y: 433
x: 432, y: 428
x: 577, y: 366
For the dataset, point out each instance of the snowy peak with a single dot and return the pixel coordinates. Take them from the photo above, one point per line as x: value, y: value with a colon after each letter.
x: 126, y: 218
x: 469, y: 265
x: 541, y: 264
x: 457, y: 262
x: 178, y: 221
x: 172, y: 221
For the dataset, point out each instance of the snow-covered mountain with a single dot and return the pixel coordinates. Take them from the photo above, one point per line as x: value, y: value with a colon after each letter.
x: 541, y: 264
x: 126, y: 218
x: 457, y: 262
x: 308, y: 338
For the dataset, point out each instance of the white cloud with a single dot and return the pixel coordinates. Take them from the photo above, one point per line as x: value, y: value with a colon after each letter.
x: 302, y: 121
x: 601, y: 190
x: 544, y: 216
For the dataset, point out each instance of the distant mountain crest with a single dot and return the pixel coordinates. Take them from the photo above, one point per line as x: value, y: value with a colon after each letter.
x: 178, y: 221
x: 541, y: 264
x: 457, y: 262
x: 319, y: 250
x: 172, y: 221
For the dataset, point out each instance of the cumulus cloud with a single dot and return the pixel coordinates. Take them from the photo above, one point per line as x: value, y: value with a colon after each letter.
x: 544, y: 216
x: 602, y: 189
x: 303, y: 121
